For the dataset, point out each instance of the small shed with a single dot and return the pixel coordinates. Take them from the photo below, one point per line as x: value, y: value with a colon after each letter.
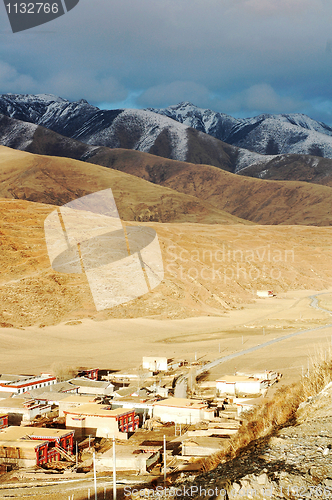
x: 128, y: 458
x: 155, y: 363
x: 265, y: 293
x: 201, y: 446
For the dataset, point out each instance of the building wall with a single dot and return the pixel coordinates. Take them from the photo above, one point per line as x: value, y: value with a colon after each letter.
x: 179, y: 415
x: 96, y: 426
x: 138, y: 463
x: 197, y: 451
x: 252, y: 387
x: 155, y: 363
x: 3, y: 421
x: 233, y: 388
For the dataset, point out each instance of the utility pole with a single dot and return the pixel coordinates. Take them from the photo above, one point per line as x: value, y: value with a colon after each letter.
x: 95, y: 475
x: 164, y: 460
x: 114, y: 470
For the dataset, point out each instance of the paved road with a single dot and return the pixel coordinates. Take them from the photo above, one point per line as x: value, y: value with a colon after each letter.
x: 314, y: 303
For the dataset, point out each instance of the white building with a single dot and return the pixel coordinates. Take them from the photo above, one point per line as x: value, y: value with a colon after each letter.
x: 127, y: 458
x: 22, y: 410
x: 100, y: 421
x: 182, y: 411
x: 88, y: 386
x: 28, y: 383
x: 236, y: 385
x: 155, y: 364
x: 265, y: 293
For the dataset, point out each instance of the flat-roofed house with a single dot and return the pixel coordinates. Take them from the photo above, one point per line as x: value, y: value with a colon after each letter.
x: 22, y: 410
x: 61, y: 438
x: 94, y: 387
x: 101, y: 421
x: 24, y: 447
x: 240, y: 385
x: 182, y: 411
x: 27, y: 384
x: 73, y: 401
x: 23, y: 453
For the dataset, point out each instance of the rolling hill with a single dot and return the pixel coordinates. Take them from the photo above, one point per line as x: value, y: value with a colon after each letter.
x: 56, y: 181
x: 175, y: 191
x: 209, y: 269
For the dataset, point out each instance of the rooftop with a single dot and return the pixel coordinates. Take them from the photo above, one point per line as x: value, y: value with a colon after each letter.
x: 205, y: 442
x: 98, y: 410
x: 17, y: 403
x: 28, y: 381
x: 181, y: 403
x: 85, y: 382
x: 77, y: 399
x: 14, y: 433
x: 236, y: 378
x: 22, y: 444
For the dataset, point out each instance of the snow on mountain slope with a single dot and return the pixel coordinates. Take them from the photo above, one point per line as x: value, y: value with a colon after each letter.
x: 204, y: 120
x: 182, y: 132
x: 137, y: 129
x: 15, y: 133
x: 265, y: 134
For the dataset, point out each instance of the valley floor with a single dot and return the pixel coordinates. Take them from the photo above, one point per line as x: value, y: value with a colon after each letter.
x: 116, y: 344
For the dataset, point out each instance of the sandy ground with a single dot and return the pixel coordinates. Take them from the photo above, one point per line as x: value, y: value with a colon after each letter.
x: 119, y: 343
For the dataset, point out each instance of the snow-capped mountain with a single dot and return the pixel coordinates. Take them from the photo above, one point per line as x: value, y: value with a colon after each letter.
x: 264, y: 134
x: 47, y: 124
x: 142, y: 130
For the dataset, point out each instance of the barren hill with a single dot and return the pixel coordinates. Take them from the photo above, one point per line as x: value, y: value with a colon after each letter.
x: 199, y: 193
x: 56, y: 181
x: 257, y: 200
x: 208, y: 269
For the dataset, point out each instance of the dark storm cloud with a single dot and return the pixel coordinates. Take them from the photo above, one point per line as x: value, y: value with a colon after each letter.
x: 236, y: 56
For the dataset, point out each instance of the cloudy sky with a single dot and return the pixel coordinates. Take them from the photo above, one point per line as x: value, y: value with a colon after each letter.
x: 241, y: 57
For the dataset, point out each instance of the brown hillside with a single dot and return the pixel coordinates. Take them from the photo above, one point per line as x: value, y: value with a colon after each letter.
x: 208, y: 269
x: 260, y: 201
x: 293, y: 168
x: 56, y: 181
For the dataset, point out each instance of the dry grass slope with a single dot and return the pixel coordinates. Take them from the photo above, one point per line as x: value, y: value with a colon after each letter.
x: 256, y: 200
x: 209, y: 269
x: 275, y: 413
x: 56, y: 181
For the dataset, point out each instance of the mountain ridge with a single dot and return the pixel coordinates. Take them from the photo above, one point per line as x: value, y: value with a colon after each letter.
x: 88, y: 129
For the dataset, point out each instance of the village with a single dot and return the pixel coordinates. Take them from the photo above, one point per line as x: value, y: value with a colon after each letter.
x: 156, y: 421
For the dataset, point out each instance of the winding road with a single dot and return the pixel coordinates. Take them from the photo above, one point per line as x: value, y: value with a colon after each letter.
x: 223, y: 359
